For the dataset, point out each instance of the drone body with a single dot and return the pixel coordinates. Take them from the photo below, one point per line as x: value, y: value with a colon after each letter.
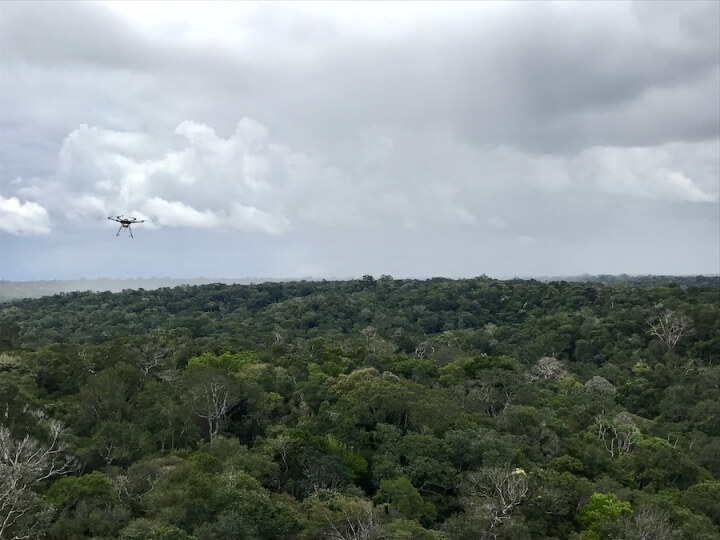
x: 125, y: 223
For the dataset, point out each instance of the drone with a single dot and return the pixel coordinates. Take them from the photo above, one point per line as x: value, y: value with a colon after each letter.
x: 125, y: 223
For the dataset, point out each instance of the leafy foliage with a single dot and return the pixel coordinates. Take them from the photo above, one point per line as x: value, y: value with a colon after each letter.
x: 374, y: 408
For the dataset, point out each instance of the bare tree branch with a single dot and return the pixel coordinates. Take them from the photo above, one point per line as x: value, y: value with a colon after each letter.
x: 212, y: 397
x: 24, y: 463
x: 503, y: 488
x: 670, y: 326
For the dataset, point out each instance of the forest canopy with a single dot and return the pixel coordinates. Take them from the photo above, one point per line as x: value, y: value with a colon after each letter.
x: 368, y: 408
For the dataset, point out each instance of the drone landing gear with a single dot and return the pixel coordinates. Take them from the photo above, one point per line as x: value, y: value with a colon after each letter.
x: 123, y: 227
x: 125, y: 224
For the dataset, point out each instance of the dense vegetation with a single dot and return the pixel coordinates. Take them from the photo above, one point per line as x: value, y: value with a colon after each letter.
x: 366, y: 409
x: 14, y: 290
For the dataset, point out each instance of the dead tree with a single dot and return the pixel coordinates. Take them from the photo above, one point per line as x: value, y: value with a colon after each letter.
x: 502, y: 488
x: 212, y: 395
x: 24, y: 463
x: 670, y: 326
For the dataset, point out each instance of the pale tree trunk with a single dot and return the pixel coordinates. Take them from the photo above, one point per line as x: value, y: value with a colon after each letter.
x: 24, y: 463
x: 670, y: 327
x: 212, y: 398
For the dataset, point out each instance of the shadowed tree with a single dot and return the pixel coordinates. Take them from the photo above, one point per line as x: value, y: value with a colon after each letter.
x: 211, y: 395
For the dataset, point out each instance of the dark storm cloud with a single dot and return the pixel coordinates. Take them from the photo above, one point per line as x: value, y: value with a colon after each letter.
x: 539, y: 76
x: 56, y: 34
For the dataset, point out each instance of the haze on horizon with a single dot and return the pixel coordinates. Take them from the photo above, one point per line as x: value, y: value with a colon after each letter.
x: 328, y: 139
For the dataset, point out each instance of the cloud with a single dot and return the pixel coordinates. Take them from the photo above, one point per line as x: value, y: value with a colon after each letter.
x: 396, y: 129
x: 76, y: 33
x: 648, y: 172
x: 497, y: 222
x: 176, y: 213
x: 544, y: 78
x: 23, y: 217
x: 194, y: 177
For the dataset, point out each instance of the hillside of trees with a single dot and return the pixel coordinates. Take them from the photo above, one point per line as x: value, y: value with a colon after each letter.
x: 15, y: 290
x: 364, y: 409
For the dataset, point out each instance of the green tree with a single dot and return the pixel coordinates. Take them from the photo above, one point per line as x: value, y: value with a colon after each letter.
x: 601, y: 510
x: 401, y: 496
x: 333, y: 515
x: 703, y: 498
x: 88, y: 507
x: 9, y: 335
x: 147, y: 529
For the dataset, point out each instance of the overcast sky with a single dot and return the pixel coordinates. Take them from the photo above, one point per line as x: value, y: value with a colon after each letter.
x: 341, y: 139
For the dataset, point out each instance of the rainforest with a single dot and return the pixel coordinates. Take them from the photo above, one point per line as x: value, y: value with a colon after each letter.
x: 372, y: 408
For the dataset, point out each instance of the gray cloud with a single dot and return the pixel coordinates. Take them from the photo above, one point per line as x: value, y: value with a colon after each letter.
x: 500, y: 128
x: 62, y: 34
x: 534, y: 76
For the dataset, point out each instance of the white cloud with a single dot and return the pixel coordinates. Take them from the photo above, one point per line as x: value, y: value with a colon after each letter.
x: 23, y: 217
x: 253, y: 219
x: 651, y: 172
x: 176, y: 213
x: 193, y: 177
